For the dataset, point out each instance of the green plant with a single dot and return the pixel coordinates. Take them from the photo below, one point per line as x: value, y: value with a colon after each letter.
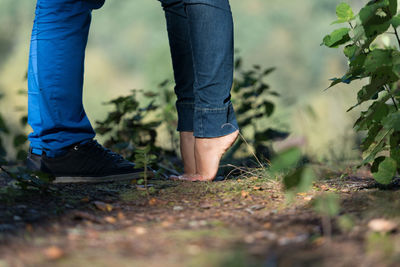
x: 379, y: 63
x: 327, y: 205
x: 23, y: 178
x: 137, y: 119
x: 254, y: 104
x: 297, y: 177
x: 143, y: 159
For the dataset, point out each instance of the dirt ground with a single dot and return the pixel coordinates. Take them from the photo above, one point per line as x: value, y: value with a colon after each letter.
x: 237, y: 222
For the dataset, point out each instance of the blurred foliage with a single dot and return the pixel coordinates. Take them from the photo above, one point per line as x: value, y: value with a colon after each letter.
x: 138, y: 57
x: 137, y: 119
x: 380, y: 65
x: 254, y: 103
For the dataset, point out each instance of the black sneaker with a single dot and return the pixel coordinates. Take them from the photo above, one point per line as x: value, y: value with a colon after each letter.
x: 86, y: 163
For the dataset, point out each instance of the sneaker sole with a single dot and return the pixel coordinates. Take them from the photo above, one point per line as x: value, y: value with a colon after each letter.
x: 102, y: 179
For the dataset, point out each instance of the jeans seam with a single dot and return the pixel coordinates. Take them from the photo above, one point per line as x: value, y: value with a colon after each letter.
x: 213, y: 109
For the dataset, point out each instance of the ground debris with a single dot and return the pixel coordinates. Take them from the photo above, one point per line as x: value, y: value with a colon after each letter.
x: 82, y: 215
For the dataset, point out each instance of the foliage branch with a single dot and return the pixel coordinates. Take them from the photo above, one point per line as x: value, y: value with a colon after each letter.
x: 370, y: 59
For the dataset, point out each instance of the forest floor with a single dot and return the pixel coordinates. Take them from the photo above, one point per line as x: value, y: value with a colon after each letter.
x: 237, y: 222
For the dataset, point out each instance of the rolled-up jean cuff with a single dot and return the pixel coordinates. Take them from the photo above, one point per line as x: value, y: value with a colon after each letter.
x: 223, y: 4
x: 214, y: 122
x: 185, y: 117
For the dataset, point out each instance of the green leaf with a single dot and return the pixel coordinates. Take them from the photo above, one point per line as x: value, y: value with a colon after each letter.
x: 344, y: 13
x: 392, y: 121
x: 350, y: 50
x: 372, y: 135
x: 19, y: 140
x: 327, y: 204
x: 386, y: 171
x: 286, y: 160
x: 375, y: 165
x: 337, y: 37
x: 300, y: 180
x: 269, y: 134
x: 394, y: 147
x: 382, y: 59
x: 269, y: 108
x: 395, y: 21
x: 376, y: 147
x: 3, y: 127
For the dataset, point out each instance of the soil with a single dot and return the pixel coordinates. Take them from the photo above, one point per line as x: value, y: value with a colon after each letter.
x: 237, y: 222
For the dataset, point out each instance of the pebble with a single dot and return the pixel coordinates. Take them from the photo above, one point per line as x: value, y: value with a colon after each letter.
x: 178, y: 208
x: 382, y: 225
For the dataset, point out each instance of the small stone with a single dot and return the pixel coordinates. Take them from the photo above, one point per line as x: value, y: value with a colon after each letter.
x: 53, y: 253
x: 178, y: 208
x: 382, y: 225
x: 17, y: 218
x: 257, y: 207
x: 140, y: 230
x: 205, y: 206
x: 250, y: 211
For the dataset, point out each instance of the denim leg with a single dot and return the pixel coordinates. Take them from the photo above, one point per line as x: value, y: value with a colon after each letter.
x: 211, y: 35
x: 181, y: 53
x: 55, y: 75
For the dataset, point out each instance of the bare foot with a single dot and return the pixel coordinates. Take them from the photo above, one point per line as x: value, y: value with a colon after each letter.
x: 187, y: 142
x: 208, y: 153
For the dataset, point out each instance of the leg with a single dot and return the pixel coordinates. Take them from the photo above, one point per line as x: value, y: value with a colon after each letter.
x: 215, y: 126
x: 181, y: 53
x: 61, y: 139
x: 55, y: 75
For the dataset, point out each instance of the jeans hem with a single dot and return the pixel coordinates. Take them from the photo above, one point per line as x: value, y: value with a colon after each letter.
x: 185, y: 117
x: 214, y: 122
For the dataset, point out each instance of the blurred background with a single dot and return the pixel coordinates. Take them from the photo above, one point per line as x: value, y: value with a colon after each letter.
x: 128, y: 48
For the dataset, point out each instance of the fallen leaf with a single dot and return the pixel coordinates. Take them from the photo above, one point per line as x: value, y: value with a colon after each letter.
x: 267, y: 225
x: 120, y: 216
x: 103, y: 206
x: 244, y: 194
x: 81, y: 215
x: 29, y: 228
x: 382, y: 225
x: 110, y: 219
x: 53, y: 253
x: 324, y: 187
x: 166, y: 224
x: 85, y: 199
x: 257, y: 188
x: 153, y: 201
x: 226, y: 200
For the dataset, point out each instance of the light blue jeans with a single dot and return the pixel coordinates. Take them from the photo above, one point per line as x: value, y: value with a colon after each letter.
x: 201, y: 40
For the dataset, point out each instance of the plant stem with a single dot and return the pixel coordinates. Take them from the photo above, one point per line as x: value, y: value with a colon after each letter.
x: 145, y: 175
x: 356, y: 42
x: 397, y: 35
x: 394, y: 101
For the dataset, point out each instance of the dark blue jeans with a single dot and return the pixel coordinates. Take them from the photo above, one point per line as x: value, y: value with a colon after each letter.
x: 201, y: 40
